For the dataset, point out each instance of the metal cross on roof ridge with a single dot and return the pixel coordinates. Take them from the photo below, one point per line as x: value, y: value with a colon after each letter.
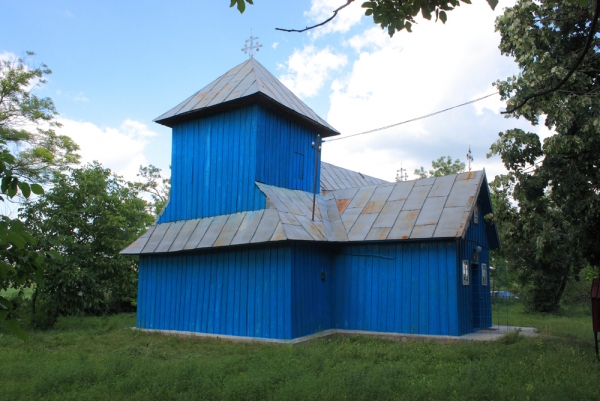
x: 253, y: 48
x: 469, y: 157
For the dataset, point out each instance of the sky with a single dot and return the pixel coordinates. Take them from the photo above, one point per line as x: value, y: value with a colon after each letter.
x: 118, y: 65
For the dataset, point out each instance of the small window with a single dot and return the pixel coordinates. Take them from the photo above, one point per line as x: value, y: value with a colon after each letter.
x: 465, y: 272
x: 484, y: 274
x: 476, y: 213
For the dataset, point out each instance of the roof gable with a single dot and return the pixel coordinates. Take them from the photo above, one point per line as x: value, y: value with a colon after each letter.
x: 247, y: 81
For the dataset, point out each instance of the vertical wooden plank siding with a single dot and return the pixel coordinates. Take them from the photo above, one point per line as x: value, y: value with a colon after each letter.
x: 242, y: 292
x: 477, y: 235
x: 285, y: 157
x: 213, y: 166
x: 401, y: 288
x: 311, y: 299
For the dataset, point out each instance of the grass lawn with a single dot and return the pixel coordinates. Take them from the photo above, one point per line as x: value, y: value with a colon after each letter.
x: 101, y: 359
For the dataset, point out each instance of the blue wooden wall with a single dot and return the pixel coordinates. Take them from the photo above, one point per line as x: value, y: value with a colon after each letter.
x: 405, y: 287
x: 241, y: 292
x: 285, y: 155
x: 216, y: 160
x: 473, y: 316
x: 312, y: 298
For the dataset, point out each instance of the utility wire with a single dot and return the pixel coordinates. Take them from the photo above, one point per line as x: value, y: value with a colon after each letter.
x: 411, y: 120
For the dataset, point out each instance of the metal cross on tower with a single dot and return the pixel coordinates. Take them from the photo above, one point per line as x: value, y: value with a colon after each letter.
x: 469, y: 157
x: 251, y: 49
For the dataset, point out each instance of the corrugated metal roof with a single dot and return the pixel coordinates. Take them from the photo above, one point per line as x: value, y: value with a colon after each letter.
x: 424, y: 209
x: 334, y: 178
x: 247, y: 79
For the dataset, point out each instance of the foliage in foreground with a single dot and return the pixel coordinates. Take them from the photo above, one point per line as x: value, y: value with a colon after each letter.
x: 99, y: 358
x: 26, y: 158
x: 548, y: 205
x: 88, y: 217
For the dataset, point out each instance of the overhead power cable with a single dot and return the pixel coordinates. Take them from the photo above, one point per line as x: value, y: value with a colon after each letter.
x: 412, y: 119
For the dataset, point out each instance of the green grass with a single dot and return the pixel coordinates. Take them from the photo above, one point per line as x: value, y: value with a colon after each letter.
x: 100, y: 358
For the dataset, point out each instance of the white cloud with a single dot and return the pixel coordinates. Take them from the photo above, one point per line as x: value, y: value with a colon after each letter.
x: 310, y: 68
x: 80, y: 98
x: 414, y: 74
x: 120, y: 149
x: 346, y: 18
x: 274, y: 45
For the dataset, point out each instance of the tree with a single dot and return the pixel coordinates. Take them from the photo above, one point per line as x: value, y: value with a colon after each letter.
x: 442, y: 166
x: 156, y: 185
x: 552, y: 190
x: 393, y: 15
x: 27, y: 124
x: 88, y: 217
x: 25, y: 157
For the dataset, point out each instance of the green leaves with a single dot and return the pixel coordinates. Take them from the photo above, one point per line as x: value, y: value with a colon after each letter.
x: 84, y: 221
x: 552, y: 208
x: 396, y: 16
x: 494, y: 3
x: 241, y: 5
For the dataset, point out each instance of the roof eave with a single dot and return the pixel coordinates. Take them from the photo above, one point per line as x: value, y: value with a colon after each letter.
x: 258, y: 97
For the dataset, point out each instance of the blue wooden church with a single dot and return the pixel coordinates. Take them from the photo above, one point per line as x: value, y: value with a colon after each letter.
x: 236, y: 250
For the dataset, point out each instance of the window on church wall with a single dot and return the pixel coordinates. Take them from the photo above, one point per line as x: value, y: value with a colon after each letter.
x: 484, y: 274
x: 476, y: 213
x: 465, y: 272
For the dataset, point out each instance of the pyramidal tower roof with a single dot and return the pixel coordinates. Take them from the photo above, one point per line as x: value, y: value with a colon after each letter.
x: 246, y: 83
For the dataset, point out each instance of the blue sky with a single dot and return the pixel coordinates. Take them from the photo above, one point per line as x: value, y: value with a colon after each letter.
x: 118, y: 65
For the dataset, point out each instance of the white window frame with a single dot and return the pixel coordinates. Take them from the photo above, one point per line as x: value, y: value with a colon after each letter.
x: 484, y: 274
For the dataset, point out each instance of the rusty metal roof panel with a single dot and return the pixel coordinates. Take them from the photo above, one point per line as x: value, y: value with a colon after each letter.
x: 348, y: 193
x: 288, y: 218
x: 156, y: 237
x: 279, y: 234
x: 266, y: 227
x: 247, y: 227
x: 471, y: 175
x: 442, y: 186
x: 404, y: 225
x: 431, y: 211
x: 213, y: 232
x: 425, y: 231
x: 388, y: 215
x: 416, y: 198
x: 349, y: 217
x: 169, y: 237
x: 361, y: 227
x: 138, y: 245
x: 362, y: 197
x: 339, y: 230
x: 451, y: 223
x: 401, y: 191
x: 296, y: 233
x: 424, y: 181
x: 378, y: 199
x: 198, y: 233
x: 184, y: 235
x: 462, y: 194
x: 378, y: 234
x: 230, y: 229
x: 313, y: 228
